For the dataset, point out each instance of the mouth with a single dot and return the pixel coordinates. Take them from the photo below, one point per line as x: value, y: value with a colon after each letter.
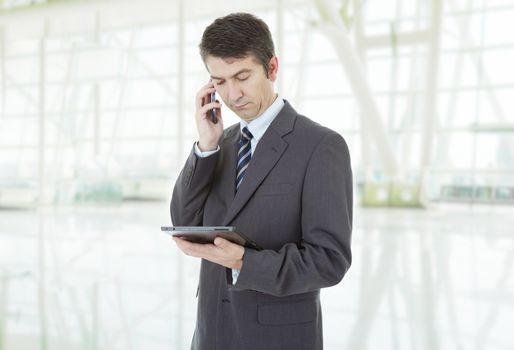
x: 241, y: 106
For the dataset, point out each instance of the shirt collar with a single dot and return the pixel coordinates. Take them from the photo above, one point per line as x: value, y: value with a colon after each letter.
x: 259, y: 125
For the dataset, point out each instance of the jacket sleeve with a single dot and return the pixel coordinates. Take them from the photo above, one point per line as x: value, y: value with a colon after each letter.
x: 191, y: 190
x: 323, y: 256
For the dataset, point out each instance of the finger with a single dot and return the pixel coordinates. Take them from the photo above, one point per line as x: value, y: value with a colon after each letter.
x: 218, y: 113
x: 211, y: 105
x: 202, y: 96
x: 208, y: 107
x: 184, y: 245
x: 226, y: 248
x: 196, y: 250
x: 201, y: 100
x: 221, y: 242
x: 181, y: 243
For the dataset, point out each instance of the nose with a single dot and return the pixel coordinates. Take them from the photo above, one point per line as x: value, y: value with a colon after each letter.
x: 234, y: 92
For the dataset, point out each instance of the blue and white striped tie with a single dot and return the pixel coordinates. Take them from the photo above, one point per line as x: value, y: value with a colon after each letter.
x: 244, y: 155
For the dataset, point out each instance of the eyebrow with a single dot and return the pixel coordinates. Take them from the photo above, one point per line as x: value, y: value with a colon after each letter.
x: 244, y: 70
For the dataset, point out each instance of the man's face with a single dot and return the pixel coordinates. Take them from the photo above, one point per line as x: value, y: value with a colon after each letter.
x: 243, y: 85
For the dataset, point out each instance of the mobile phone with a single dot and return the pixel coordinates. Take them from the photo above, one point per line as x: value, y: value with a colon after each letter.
x: 214, y: 119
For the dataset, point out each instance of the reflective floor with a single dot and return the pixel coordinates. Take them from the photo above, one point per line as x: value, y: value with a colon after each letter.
x: 107, y: 278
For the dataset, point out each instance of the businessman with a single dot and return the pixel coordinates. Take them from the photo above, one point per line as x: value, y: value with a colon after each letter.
x: 280, y: 179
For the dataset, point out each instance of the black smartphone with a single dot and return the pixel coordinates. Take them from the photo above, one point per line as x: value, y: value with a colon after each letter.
x: 214, y: 119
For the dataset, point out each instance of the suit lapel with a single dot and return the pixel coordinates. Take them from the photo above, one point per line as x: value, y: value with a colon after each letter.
x: 269, y: 150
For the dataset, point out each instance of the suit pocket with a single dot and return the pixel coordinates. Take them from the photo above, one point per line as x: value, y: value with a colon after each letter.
x: 274, y: 189
x: 289, y: 313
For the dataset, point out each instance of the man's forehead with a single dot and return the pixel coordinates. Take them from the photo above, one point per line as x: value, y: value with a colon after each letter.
x: 230, y: 65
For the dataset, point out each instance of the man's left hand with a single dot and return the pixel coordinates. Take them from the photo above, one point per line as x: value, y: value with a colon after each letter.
x: 222, y: 252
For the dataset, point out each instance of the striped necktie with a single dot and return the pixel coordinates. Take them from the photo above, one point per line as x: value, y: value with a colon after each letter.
x: 244, y: 155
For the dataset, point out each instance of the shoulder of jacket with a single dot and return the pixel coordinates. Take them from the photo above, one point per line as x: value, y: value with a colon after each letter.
x: 314, y: 130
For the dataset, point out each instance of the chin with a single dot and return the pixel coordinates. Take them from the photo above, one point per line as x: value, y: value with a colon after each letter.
x: 246, y: 116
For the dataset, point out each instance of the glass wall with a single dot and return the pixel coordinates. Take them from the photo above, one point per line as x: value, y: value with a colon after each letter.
x: 105, y: 102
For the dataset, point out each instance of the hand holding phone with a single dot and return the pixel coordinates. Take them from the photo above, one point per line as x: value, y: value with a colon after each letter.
x: 209, y: 121
x: 214, y: 119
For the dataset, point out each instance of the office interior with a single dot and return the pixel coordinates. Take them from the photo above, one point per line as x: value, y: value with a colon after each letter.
x: 96, y: 121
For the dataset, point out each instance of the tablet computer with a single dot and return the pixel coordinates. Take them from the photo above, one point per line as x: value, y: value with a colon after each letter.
x: 207, y: 234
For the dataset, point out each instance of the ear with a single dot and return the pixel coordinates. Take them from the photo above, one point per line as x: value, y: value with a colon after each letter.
x: 273, y: 68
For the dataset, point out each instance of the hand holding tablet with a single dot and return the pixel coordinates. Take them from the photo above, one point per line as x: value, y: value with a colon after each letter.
x: 207, y: 234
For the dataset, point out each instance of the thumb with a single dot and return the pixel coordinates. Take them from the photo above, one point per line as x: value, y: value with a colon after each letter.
x: 220, y: 242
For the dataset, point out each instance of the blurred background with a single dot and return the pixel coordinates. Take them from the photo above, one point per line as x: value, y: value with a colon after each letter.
x: 96, y: 120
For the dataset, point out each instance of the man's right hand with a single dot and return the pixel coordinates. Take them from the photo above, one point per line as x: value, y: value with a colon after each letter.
x: 208, y: 132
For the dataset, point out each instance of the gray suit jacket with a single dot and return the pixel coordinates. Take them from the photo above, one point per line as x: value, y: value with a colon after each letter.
x: 296, y: 202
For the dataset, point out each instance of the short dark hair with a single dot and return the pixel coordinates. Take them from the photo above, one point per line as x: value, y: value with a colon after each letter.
x: 238, y: 35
